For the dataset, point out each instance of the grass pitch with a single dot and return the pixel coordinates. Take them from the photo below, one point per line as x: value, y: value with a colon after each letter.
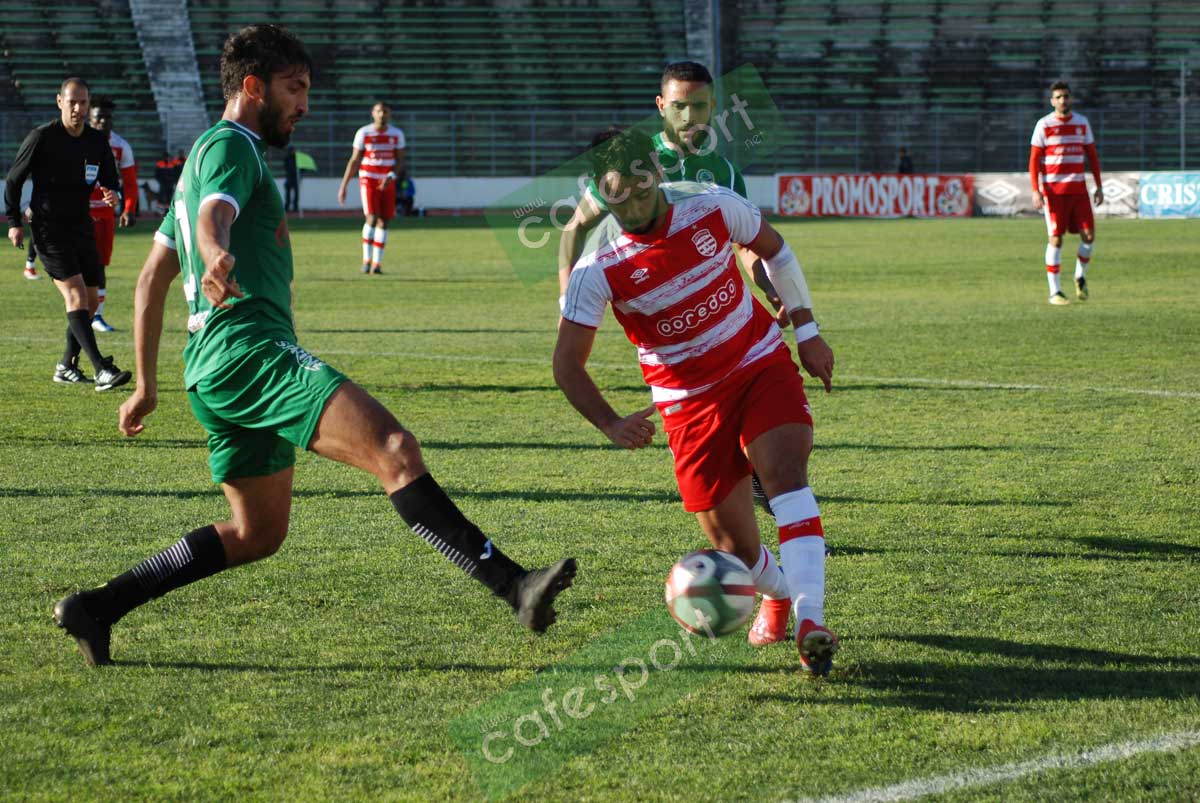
x: 1011, y: 490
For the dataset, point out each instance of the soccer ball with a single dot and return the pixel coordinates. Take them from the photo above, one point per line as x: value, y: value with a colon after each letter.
x: 710, y: 593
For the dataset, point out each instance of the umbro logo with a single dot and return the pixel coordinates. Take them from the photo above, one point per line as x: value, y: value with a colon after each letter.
x: 640, y: 275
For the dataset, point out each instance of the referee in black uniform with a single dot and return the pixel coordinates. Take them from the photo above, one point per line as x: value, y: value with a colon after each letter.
x: 66, y: 158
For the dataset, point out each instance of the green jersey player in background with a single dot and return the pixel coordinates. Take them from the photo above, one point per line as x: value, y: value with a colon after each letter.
x: 257, y: 393
x: 686, y: 105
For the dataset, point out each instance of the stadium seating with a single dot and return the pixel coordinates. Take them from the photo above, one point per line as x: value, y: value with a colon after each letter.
x: 44, y: 42
x: 921, y: 73
x: 513, y: 87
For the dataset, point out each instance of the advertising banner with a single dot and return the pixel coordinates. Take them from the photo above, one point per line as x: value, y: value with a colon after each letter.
x: 1169, y: 195
x: 1009, y: 194
x: 884, y: 195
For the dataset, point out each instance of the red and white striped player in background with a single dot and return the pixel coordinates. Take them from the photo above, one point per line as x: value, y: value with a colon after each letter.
x: 719, y: 370
x: 104, y: 217
x: 378, y: 156
x: 1061, y: 141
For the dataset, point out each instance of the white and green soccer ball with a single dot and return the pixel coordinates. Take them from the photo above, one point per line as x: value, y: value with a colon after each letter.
x: 710, y: 593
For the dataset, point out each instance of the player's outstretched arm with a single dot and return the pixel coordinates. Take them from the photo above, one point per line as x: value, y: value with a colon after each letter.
x: 149, y: 299
x: 356, y: 157
x: 785, y: 274
x: 570, y: 372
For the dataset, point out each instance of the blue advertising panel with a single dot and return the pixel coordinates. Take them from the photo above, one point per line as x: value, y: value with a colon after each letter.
x: 1169, y: 195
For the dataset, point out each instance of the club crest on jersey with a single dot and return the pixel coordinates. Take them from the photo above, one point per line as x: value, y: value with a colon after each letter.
x: 705, y: 177
x: 705, y: 243
x: 90, y: 172
x: 639, y: 275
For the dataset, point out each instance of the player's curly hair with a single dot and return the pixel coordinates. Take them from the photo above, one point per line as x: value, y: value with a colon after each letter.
x: 1059, y: 84
x: 627, y: 151
x: 262, y: 51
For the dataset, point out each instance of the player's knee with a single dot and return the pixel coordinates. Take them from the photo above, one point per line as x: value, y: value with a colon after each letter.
x: 784, y: 476
x: 402, y: 455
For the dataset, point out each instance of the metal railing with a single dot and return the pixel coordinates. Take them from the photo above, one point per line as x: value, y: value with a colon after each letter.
x: 532, y: 142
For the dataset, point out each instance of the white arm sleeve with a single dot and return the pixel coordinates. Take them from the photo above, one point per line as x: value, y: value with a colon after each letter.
x: 742, y: 218
x: 360, y: 139
x: 587, y: 295
x: 783, y: 269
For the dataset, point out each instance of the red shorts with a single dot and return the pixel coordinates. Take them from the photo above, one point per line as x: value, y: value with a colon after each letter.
x: 377, y: 200
x: 1068, y: 213
x: 707, y: 434
x: 105, y: 225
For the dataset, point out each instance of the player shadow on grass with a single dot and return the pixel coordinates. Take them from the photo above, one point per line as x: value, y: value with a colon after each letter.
x: 430, y: 387
x: 423, y: 330
x: 1103, y: 548
x: 1045, y: 673
x: 717, y: 669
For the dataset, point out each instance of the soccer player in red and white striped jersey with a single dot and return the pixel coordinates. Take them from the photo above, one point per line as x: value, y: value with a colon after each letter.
x: 720, y: 373
x: 1060, y: 144
x: 104, y: 218
x: 378, y: 156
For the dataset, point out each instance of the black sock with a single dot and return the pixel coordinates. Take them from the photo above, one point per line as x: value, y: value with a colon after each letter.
x: 71, y: 354
x: 80, y: 321
x: 431, y: 514
x: 197, y: 555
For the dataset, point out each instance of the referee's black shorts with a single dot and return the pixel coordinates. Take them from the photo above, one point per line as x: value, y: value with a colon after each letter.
x: 68, y: 249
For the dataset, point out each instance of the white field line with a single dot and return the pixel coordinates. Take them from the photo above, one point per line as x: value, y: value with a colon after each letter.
x: 968, y: 779
x: 898, y: 380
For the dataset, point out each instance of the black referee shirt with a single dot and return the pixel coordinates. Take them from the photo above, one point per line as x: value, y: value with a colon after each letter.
x: 64, y: 170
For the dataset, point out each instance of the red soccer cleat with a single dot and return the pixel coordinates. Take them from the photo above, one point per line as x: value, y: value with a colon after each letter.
x: 817, y: 646
x: 770, y: 625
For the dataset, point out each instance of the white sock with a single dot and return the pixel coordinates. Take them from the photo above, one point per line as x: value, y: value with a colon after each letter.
x: 1053, y: 261
x: 368, y: 238
x: 1082, y: 258
x: 768, y: 577
x: 100, y: 306
x: 378, y: 246
x: 802, y: 548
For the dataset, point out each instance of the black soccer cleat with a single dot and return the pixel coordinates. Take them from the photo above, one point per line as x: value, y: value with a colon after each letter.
x: 535, y: 592
x: 92, y: 636
x: 110, y: 376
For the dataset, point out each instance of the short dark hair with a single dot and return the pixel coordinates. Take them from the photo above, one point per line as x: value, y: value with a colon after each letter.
x: 104, y: 102
x: 262, y: 51
x: 74, y: 79
x: 686, y: 71
x: 382, y: 103
x: 621, y: 149
x: 1059, y: 84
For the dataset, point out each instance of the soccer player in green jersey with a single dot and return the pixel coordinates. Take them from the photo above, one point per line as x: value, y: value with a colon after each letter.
x: 257, y: 393
x: 686, y: 105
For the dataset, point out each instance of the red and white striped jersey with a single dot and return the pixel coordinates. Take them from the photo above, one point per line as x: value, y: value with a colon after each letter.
x: 124, y: 156
x: 677, y: 291
x: 1064, y: 143
x: 379, y: 150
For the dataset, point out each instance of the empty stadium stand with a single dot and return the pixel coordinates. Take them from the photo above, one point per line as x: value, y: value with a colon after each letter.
x: 515, y: 87
x: 44, y: 42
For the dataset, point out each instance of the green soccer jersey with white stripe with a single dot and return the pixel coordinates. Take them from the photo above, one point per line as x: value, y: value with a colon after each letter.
x: 228, y: 163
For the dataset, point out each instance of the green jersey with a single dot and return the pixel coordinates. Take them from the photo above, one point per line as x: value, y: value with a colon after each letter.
x: 228, y: 163
x: 681, y: 165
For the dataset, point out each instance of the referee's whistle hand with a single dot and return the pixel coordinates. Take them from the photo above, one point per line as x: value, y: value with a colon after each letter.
x: 16, y: 235
x: 216, y: 283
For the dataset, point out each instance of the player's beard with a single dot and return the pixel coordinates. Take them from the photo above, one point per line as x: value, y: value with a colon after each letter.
x: 270, y: 123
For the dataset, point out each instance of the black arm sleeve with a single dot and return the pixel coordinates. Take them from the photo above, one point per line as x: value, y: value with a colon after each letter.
x: 110, y: 177
x: 17, y: 174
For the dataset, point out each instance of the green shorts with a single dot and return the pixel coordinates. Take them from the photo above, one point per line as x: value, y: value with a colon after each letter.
x: 260, y: 406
